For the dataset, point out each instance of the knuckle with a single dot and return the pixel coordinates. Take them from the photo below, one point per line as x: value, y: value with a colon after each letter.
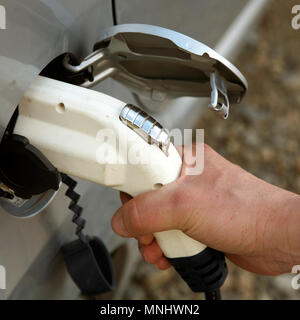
x: 133, y: 219
x: 181, y: 208
x: 179, y: 197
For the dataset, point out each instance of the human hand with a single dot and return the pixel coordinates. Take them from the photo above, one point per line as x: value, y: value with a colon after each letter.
x: 254, y: 223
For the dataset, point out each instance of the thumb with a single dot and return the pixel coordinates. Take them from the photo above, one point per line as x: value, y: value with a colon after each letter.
x: 151, y: 212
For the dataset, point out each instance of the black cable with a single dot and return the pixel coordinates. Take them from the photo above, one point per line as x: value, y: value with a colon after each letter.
x: 213, y: 295
x: 74, y: 207
x: 114, y: 12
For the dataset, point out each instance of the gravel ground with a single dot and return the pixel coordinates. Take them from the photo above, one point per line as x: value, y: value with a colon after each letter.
x: 262, y: 136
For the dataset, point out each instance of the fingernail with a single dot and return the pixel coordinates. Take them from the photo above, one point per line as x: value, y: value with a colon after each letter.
x: 118, y: 224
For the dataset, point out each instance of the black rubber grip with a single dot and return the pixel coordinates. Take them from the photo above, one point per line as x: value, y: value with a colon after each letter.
x: 203, y: 272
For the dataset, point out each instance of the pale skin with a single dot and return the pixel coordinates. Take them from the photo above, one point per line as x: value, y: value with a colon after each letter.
x: 256, y: 224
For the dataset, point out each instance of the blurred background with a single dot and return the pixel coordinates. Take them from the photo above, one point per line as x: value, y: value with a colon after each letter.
x: 262, y: 135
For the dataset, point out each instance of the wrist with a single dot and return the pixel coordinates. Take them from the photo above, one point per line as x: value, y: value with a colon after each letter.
x: 286, y: 231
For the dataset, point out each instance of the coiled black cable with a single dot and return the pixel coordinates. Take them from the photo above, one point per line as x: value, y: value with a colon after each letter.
x: 74, y: 207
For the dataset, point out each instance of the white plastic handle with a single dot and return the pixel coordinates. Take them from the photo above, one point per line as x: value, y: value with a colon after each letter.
x: 75, y: 128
